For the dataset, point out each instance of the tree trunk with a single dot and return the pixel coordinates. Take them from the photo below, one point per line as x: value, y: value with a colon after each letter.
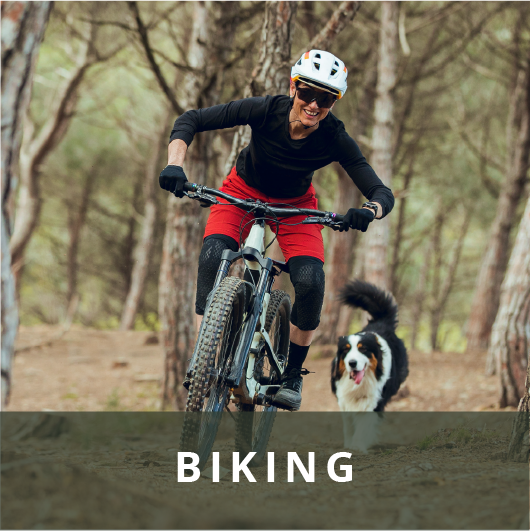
x: 209, y: 47
x: 510, y: 338
x: 23, y: 25
x: 339, y: 262
x: 76, y: 223
x: 142, y: 252
x: 487, y: 294
x: 35, y: 150
x: 341, y: 247
x: 419, y: 297
x: 378, y: 232
x: 272, y: 71
x: 519, y: 448
x: 442, y: 292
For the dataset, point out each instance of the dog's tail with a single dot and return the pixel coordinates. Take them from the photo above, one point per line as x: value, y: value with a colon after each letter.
x: 380, y: 304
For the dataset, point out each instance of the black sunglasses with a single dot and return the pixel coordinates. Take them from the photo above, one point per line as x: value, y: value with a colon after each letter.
x: 324, y: 99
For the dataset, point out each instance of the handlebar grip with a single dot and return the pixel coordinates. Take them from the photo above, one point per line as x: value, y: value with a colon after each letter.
x: 189, y: 187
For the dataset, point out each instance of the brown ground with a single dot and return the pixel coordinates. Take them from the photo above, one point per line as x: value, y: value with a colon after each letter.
x: 108, y: 471
x: 93, y: 370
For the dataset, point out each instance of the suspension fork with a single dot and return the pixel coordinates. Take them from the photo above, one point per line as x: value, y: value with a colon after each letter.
x: 249, y: 329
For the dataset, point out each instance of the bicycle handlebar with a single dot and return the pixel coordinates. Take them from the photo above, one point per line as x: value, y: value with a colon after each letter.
x: 207, y: 197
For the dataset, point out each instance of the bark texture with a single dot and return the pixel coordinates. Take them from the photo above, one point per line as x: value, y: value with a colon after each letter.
x: 210, y: 44
x: 273, y: 68
x: 493, y: 267
x: 23, y: 25
x: 142, y: 251
x: 510, y: 340
x: 341, y: 17
x: 378, y: 232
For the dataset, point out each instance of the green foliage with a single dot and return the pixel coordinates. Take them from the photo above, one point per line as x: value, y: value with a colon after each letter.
x: 460, y: 93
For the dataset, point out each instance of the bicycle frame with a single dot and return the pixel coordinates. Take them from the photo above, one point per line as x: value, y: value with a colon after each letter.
x: 253, y: 333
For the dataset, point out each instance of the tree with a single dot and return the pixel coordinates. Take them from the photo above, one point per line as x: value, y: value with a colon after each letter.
x: 510, y: 339
x: 23, y: 25
x: 272, y: 70
x: 210, y: 45
x: 142, y: 251
x: 37, y: 145
x: 493, y: 267
x: 376, y: 252
x: 519, y: 447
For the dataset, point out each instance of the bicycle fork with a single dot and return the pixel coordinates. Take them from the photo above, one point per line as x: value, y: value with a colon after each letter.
x: 253, y: 332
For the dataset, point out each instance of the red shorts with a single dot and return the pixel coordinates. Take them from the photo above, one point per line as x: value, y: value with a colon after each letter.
x: 294, y: 240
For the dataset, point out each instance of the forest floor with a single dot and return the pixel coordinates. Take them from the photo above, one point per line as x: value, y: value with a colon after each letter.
x: 94, y: 370
x: 116, y: 471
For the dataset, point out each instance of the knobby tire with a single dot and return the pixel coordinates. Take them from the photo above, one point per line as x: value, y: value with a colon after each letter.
x: 208, y: 394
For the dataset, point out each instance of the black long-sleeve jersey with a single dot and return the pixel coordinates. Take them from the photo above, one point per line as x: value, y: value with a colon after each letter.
x: 276, y: 164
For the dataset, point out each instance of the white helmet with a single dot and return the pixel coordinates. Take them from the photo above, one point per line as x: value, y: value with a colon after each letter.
x: 321, y: 70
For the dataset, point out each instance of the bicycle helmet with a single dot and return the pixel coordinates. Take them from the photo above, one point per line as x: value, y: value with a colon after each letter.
x: 321, y: 70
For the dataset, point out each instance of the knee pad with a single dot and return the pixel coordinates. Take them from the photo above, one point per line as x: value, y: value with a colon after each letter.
x: 307, y: 277
x: 209, y: 259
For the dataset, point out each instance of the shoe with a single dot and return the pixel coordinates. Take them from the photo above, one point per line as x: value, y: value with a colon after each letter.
x: 289, y: 396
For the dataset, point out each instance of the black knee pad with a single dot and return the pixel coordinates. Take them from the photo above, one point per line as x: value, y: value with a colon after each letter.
x: 209, y: 259
x: 307, y: 277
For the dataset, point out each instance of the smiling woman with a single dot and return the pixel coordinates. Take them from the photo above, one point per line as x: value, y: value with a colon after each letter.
x: 292, y: 137
x: 310, y: 106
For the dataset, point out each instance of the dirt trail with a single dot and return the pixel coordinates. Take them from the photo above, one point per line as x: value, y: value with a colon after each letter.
x: 93, y: 370
x: 422, y: 475
x: 458, y: 480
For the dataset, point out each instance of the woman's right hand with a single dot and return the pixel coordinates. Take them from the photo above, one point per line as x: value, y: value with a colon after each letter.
x: 172, y: 179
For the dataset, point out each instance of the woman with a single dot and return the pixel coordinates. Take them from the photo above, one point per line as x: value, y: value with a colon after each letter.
x: 291, y: 138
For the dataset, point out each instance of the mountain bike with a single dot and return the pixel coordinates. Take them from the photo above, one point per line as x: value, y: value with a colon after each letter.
x: 243, y: 342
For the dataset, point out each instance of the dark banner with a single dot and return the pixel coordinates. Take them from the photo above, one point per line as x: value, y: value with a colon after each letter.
x: 313, y: 471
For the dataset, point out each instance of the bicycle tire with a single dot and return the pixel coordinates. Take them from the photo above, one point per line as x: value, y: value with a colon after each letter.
x: 253, y: 426
x: 208, y: 394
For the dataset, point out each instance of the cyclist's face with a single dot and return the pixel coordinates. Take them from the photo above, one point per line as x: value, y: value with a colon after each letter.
x: 308, y: 113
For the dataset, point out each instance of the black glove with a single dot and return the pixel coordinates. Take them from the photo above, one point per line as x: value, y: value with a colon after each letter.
x: 172, y: 179
x: 357, y: 218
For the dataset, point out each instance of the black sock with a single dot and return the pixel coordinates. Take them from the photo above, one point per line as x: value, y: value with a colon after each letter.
x: 297, y: 356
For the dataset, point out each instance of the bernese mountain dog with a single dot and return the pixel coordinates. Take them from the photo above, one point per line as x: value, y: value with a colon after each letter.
x: 370, y: 365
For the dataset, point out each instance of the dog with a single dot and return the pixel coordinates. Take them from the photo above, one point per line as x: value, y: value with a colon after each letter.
x: 370, y: 366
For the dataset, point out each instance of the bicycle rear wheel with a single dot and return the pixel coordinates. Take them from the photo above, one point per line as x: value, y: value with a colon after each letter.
x: 208, y: 394
x: 254, y: 423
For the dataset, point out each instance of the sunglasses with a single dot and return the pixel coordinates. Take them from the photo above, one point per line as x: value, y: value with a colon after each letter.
x: 324, y: 99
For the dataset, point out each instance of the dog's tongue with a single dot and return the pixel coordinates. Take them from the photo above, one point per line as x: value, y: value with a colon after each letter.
x: 357, y: 376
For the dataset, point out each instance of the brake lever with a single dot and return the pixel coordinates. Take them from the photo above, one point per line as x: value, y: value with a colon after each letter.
x: 205, y: 200
x: 313, y: 220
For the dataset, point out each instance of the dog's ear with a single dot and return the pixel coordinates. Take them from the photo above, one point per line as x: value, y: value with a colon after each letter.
x: 337, y: 367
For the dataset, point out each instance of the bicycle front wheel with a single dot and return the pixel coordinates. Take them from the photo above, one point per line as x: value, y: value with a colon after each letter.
x: 208, y: 394
x: 254, y: 423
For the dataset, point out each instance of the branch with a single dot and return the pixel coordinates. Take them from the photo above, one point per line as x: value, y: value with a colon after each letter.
x: 55, y: 127
x: 142, y: 31
x: 475, y: 149
x: 436, y: 15
x: 482, y: 70
x: 447, y: 286
x: 342, y: 16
